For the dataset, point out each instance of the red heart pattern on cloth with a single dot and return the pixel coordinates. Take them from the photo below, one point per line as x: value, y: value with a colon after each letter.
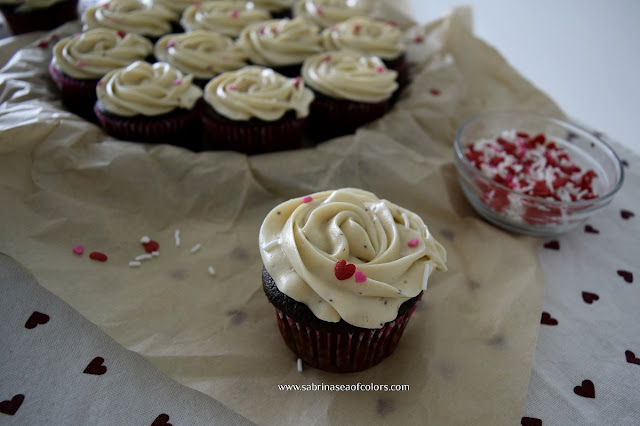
x: 626, y: 275
x: 586, y: 390
x: 11, y: 406
x: 530, y: 421
x: 344, y: 270
x: 552, y: 245
x: 161, y: 420
x: 631, y: 358
x: 547, y: 319
x: 589, y: 297
x: 590, y: 229
x: 96, y: 367
x: 36, y: 318
x: 626, y: 214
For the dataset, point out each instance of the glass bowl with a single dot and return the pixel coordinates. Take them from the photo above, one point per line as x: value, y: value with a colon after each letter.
x: 508, y: 202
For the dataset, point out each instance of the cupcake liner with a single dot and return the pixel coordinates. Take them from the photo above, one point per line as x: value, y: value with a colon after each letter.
x: 330, y: 117
x: 342, y: 351
x: 251, y: 137
x: 180, y: 127
x: 78, y: 96
x: 400, y: 66
x: 40, y: 19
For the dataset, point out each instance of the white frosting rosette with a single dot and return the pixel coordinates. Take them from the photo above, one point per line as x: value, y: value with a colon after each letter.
x: 365, y: 35
x: 280, y: 42
x: 91, y: 54
x: 257, y: 92
x: 201, y: 53
x: 223, y: 16
x: 348, y: 255
x: 328, y: 12
x: 350, y: 75
x: 132, y: 16
x: 146, y: 89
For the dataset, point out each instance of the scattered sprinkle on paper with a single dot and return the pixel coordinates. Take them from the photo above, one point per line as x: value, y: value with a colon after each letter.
x: 100, y: 257
x: 155, y: 253
x: 196, y: 248
x: 144, y: 257
x: 134, y: 264
x: 176, y: 237
x: 212, y: 271
x: 145, y: 239
x: 78, y: 250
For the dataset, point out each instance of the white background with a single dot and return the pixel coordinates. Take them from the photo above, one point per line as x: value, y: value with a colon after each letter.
x: 585, y: 54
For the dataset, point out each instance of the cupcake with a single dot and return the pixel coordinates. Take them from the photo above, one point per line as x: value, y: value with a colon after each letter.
x: 204, y: 54
x: 24, y: 16
x: 222, y: 16
x: 325, y: 13
x: 344, y: 271
x: 370, y: 37
x: 282, y: 44
x: 177, y: 6
x: 79, y: 61
x: 255, y: 110
x: 147, y: 18
x: 350, y: 89
x: 150, y: 103
x: 279, y: 9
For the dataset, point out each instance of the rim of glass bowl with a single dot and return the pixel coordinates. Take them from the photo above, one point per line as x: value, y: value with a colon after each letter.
x: 595, y: 202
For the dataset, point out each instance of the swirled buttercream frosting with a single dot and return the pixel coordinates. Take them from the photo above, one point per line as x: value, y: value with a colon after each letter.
x: 350, y: 75
x: 274, y: 5
x: 328, y: 12
x: 91, y: 54
x: 257, y: 92
x: 348, y: 255
x: 143, y: 88
x: 201, y: 53
x: 365, y: 35
x: 223, y: 16
x: 177, y: 6
x: 132, y: 16
x: 280, y: 42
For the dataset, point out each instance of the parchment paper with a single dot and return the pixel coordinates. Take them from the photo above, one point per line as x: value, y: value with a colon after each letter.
x: 467, y: 351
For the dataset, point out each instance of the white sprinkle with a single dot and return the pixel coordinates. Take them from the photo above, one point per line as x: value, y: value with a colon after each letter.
x: 212, y: 271
x: 196, y: 248
x: 134, y: 264
x: 299, y: 365
x: 425, y: 277
x: 145, y: 239
x: 406, y: 220
x: 143, y: 257
x: 155, y: 253
x: 269, y: 246
x: 176, y: 237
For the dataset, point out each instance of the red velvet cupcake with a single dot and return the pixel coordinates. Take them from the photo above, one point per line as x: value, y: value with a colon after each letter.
x: 254, y: 110
x: 24, y: 16
x: 351, y: 90
x: 344, y: 271
x: 150, y: 103
x: 80, y: 61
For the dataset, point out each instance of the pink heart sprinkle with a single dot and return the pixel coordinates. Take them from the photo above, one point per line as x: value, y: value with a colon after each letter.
x: 177, y: 82
x: 319, y: 11
x: 296, y: 82
x: 78, y: 249
x: 262, y: 30
x: 232, y: 87
x: 380, y: 69
x: 80, y: 64
x: 326, y: 58
x: 413, y: 243
x: 307, y: 199
x: 106, y: 5
x: 360, y: 277
x: 171, y: 43
x: 234, y: 14
x: 122, y: 34
x: 357, y: 28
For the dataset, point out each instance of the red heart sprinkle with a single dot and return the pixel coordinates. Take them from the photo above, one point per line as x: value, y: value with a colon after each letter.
x: 589, y: 297
x: 631, y: 358
x: 42, y: 44
x: 121, y: 34
x: 151, y: 246
x: 418, y: 39
x: 344, y: 270
x: 587, y: 390
x: 434, y: 92
x: 96, y: 255
x: 11, y: 406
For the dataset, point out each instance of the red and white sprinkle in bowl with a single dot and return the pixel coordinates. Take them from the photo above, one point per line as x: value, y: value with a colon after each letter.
x: 534, y: 174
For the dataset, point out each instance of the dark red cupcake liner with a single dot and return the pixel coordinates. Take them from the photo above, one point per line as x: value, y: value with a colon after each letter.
x: 40, y: 19
x: 342, y: 351
x: 181, y: 127
x: 330, y: 117
x: 253, y: 136
x: 78, y: 96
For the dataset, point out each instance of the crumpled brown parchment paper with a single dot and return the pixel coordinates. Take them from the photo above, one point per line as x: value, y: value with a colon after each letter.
x: 467, y: 351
